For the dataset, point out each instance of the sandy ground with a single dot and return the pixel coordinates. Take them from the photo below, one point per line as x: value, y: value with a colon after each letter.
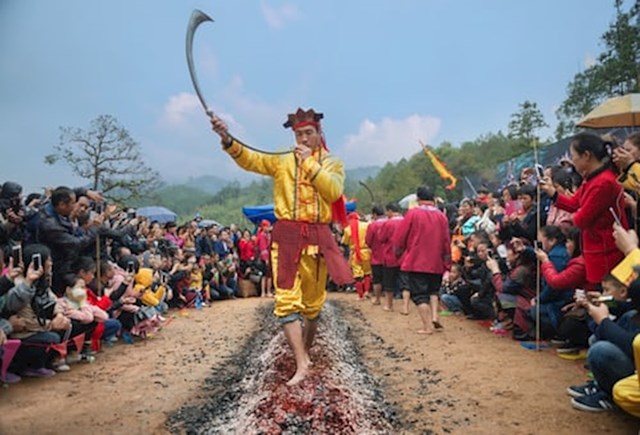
x: 463, y: 380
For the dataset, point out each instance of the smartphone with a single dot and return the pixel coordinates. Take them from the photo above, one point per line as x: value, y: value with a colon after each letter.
x: 608, y: 300
x: 98, y: 207
x: 539, y: 171
x: 615, y: 216
x: 36, y: 259
x: 16, y: 253
x: 537, y: 244
x: 130, y: 267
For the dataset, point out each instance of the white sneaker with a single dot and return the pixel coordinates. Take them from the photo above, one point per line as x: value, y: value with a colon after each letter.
x: 73, y: 358
x: 62, y: 366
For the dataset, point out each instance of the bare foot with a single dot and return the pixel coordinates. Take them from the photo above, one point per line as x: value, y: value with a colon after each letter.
x: 424, y: 331
x: 385, y: 308
x: 299, y: 376
x: 307, y: 361
x: 376, y: 302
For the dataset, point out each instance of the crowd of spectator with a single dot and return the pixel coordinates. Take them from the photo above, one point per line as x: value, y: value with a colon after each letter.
x: 549, y: 256
x: 79, y: 273
x: 544, y: 258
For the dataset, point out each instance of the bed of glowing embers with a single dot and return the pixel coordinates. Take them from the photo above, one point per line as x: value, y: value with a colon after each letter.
x: 248, y: 394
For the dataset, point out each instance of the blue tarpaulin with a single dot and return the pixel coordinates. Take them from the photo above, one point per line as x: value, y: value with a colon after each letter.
x: 256, y: 213
x: 156, y: 213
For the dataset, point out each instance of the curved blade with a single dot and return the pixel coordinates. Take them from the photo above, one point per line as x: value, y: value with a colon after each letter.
x: 362, y: 183
x: 197, y: 17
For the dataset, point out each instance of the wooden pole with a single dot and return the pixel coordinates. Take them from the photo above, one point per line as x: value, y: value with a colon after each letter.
x: 98, y: 283
x: 535, y: 158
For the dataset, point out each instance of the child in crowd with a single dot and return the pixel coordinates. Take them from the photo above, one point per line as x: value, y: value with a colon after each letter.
x: 196, y: 282
x: 84, y: 317
x: 451, y: 285
x: 610, y: 357
x: 147, y: 318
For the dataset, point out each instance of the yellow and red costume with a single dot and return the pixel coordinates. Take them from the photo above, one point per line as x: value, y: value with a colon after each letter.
x: 354, y: 236
x: 302, y: 245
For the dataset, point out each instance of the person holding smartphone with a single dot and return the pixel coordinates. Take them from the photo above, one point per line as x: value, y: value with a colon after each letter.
x: 610, y: 356
x: 38, y: 307
x: 591, y: 157
x: 57, y: 231
x: 627, y: 159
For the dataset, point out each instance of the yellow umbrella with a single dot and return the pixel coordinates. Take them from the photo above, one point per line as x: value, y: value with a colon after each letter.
x: 621, y: 111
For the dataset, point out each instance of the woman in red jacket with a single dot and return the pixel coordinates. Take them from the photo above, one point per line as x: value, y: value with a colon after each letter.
x: 599, y: 192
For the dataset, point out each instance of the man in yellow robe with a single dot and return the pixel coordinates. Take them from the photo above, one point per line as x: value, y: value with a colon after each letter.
x: 359, y: 253
x: 308, y: 186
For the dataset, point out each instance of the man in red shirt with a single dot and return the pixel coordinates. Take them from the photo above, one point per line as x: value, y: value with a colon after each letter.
x: 390, y: 261
x: 422, y: 241
x: 372, y: 239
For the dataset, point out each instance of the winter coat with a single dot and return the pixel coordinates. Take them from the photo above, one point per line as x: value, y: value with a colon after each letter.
x: 590, y: 206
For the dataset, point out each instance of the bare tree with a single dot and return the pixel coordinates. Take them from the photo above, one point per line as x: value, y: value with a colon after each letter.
x: 107, y: 155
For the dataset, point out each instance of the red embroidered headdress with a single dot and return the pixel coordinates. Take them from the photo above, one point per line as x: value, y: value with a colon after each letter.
x: 302, y: 118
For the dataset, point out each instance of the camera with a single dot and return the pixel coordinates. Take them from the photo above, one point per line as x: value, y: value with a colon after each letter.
x: 43, y: 307
x: 16, y: 205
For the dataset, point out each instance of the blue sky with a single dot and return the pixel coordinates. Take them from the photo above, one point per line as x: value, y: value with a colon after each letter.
x: 386, y: 73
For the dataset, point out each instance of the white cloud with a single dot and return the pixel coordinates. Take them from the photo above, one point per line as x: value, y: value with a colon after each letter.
x: 183, y: 113
x: 276, y: 17
x: 387, y: 141
x: 180, y: 109
x: 589, y: 60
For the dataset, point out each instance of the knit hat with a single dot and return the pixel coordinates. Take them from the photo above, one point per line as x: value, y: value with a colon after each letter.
x: 10, y: 190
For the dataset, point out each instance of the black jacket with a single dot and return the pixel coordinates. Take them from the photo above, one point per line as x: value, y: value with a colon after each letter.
x: 66, y: 244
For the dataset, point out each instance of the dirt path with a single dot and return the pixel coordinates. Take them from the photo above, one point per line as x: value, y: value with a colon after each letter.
x: 463, y: 380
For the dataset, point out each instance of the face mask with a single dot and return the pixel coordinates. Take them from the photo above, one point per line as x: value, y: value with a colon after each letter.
x: 78, y: 294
